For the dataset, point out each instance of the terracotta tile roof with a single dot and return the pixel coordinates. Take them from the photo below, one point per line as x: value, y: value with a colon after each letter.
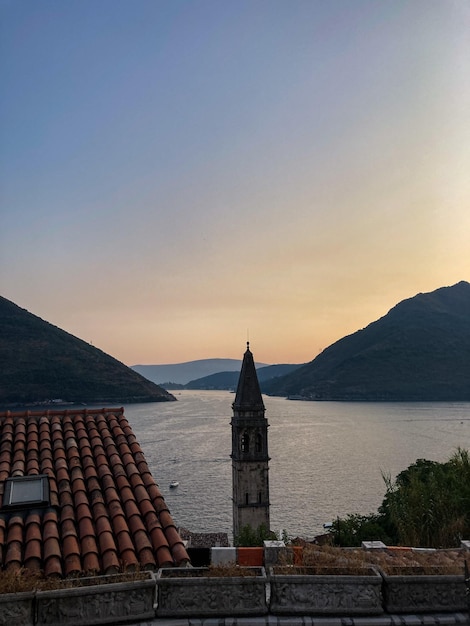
x: 106, y: 511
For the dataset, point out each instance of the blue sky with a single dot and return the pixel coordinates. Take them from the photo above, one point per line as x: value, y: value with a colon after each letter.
x: 175, y: 175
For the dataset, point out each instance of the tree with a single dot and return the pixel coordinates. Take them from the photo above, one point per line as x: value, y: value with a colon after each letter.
x: 428, y: 505
x: 354, y: 529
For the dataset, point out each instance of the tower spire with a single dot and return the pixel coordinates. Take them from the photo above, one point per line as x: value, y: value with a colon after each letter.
x: 248, y: 396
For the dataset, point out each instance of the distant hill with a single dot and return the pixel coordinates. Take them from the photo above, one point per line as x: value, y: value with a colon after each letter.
x: 182, y: 373
x: 40, y: 362
x: 420, y: 350
x: 229, y: 380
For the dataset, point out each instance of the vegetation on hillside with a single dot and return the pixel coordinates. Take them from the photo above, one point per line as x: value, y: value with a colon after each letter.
x: 229, y: 380
x: 419, y: 351
x: 427, y: 505
x: 41, y: 362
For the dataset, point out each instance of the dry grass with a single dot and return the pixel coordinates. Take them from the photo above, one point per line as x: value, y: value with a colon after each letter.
x: 390, y: 560
x: 402, y: 562
x: 213, y: 571
x: 231, y: 569
x: 351, y: 570
x: 330, y: 560
x: 26, y: 580
x: 331, y: 556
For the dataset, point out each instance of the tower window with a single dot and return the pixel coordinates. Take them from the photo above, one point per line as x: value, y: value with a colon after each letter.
x: 245, y: 442
x: 259, y: 442
x: 246, y: 498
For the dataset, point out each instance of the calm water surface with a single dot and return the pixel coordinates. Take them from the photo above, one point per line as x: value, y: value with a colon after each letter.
x: 327, y: 458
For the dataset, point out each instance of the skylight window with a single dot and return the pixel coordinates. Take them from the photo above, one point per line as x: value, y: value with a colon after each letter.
x: 26, y: 492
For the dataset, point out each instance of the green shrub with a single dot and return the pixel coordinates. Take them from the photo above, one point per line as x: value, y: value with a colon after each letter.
x: 354, y: 529
x: 428, y: 505
x: 253, y: 537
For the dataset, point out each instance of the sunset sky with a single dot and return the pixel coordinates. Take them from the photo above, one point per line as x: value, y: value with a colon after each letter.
x: 176, y: 176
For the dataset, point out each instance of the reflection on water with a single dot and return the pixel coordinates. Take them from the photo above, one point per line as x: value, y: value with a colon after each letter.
x: 327, y: 458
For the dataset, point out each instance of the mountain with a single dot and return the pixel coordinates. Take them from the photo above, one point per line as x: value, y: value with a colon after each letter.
x: 229, y: 380
x: 419, y: 351
x: 182, y: 373
x: 41, y: 362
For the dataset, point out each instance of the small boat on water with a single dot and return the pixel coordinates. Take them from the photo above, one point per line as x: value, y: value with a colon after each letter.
x: 174, y: 484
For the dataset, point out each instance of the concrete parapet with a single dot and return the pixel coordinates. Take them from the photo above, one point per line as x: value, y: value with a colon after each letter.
x: 223, y: 556
x: 277, y: 553
x: 373, y: 545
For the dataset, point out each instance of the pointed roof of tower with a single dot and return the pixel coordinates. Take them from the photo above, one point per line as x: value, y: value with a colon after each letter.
x: 248, y: 396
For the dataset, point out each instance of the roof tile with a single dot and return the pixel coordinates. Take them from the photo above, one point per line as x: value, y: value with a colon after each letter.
x: 157, y: 536
x: 83, y: 510
x: 106, y: 541
x: 67, y: 528
x: 135, y: 524
x: 67, y: 512
x: 13, y: 557
x: 72, y: 565
x: 146, y: 508
x: 102, y: 525
x: 179, y: 554
x: 33, y: 552
x: 85, y: 526
x: 53, y: 566
x: 141, y: 541
x: 80, y: 497
x: 172, y: 536
x: 129, y: 559
x: 110, y: 562
x: 164, y: 557
x: 15, y: 529
x: 33, y: 533
x: 70, y: 545
x: 88, y: 545
x: 91, y: 563
x: 99, y: 509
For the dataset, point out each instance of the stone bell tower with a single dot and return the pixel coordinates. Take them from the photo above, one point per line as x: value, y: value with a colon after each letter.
x: 249, y: 452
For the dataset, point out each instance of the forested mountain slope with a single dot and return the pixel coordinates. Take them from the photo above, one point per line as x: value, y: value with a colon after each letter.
x: 41, y: 362
x: 420, y: 350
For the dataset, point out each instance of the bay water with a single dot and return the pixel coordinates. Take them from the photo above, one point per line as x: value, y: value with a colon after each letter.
x: 327, y: 458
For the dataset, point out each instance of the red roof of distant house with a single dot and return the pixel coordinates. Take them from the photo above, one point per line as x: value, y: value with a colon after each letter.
x: 105, y: 513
